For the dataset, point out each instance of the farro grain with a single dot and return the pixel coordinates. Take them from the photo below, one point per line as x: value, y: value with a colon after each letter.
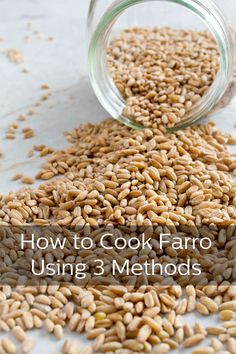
x: 27, y: 180
x: 193, y: 340
x: 49, y: 325
x: 215, y: 330
x: 216, y: 344
x: 58, y: 331
x: 203, y: 350
x: 162, y: 348
x: 44, y: 87
x: 209, y: 303
x: 202, y: 309
x: 19, y: 333
x: 149, y: 316
x: 163, y: 101
x: 14, y: 55
x: 8, y: 346
x: 229, y: 305
x: 226, y: 315
x: 27, y: 345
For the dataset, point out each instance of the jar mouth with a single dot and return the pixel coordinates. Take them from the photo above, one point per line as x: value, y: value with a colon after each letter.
x: 106, y: 90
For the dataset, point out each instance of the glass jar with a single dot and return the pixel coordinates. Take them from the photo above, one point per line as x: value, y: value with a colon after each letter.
x: 106, y: 18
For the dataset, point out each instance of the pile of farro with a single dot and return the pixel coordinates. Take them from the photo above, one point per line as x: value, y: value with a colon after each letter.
x: 111, y: 174
x: 162, y: 72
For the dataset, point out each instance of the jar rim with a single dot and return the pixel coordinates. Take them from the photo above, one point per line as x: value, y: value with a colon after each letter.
x: 104, y: 87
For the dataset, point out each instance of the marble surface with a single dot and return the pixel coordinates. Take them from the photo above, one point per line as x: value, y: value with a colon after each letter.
x: 51, y: 36
x: 60, y: 63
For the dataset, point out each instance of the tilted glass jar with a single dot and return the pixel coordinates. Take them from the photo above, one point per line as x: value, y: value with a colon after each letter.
x: 108, y: 17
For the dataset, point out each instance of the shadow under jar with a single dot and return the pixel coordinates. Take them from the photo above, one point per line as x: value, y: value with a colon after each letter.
x: 111, y: 22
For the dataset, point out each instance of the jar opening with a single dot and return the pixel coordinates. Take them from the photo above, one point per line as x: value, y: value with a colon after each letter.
x: 101, y: 79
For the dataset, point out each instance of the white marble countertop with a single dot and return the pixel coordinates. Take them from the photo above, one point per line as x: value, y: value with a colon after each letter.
x: 51, y: 36
x: 29, y: 27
